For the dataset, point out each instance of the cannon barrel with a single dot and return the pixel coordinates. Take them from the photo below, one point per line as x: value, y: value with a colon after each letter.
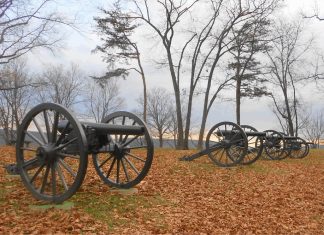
x: 290, y: 137
x: 106, y: 129
x: 255, y: 133
x: 233, y: 132
x: 111, y: 129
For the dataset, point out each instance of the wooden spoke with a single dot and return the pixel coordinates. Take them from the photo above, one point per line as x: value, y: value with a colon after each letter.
x: 136, y: 157
x: 62, y: 134
x: 48, y: 131
x: 131, y: 165
x: 59, y: 171
x: 30, y: 162
x: 66, y: 144
x: 118, y: 168
x: 55, y: 125
x: 125, y: 169
x: 66, y: 166
x: 105, y: 161
x: 45, y: 140
x: 53, y: 166
x: 130, y: 141
x: 68, y: 155
x: 111, y: 167
x: 37, y: 173
x: 45, y: 178
x: 38, y: 141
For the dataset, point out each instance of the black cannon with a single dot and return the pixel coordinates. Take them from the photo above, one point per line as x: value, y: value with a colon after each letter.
x: 226, y: 145
x: 296, y: 147
x: 54, y: 165
x: 270, y: 142
x: 277, y: 145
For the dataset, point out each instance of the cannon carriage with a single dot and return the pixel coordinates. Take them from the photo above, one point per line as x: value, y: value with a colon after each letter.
x: 296, y: 147
x: 53, y: 167
x: 228, y: 144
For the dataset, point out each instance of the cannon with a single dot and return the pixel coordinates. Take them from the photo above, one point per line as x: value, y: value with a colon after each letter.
x: 296, y: 147
x: 270, y: 142
x: 278, y: 145
x: 226, y: 145
x: 54, y: 164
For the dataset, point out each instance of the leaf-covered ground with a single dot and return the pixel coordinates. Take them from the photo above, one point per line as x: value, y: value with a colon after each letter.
x: 268, y: 197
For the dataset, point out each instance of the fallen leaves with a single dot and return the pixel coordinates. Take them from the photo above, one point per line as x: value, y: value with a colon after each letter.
x: 277, y: 197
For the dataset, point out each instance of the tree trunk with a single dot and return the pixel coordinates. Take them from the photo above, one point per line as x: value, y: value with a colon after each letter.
x: 238, y: 90
x: 161, y: 140
x: 180, y: 143
x: 202, y: 130
x: 204, y: 117
x: 289, y: 117
x: 188, y: 119
x: 144, y: 87
x: 144, y: 99
x: 238, y: 100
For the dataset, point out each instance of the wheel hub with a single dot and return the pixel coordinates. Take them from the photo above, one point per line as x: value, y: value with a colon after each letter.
x: 46, y: 153
x: 226, y: 144
x: 119, y: 151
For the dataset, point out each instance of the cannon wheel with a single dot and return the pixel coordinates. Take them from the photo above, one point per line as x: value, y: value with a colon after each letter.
x: 288, y: 145
x: 274, y: 145
x: 300, y: 148
x: 229, y: 144
x: 46, y: 169
x: 131, y: 163
x: 255, y: 146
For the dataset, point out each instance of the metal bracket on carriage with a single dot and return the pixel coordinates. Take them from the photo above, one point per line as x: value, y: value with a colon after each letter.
x: 201, y: 153
x: 194, y: 156
x: 12, y: 169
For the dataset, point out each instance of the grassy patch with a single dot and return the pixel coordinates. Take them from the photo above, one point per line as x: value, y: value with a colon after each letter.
x: 117, y: 210
x: 263, y: 169
x: 5, y: 188
x: 2, y: 195
x: 64, y: 206
x: 256, y: 168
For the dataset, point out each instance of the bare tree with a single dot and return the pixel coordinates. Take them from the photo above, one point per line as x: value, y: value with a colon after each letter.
x: 159, y: 112
x: 14, y: 102
x: 26, y: 25
x: 235, y: 14
x: 211, y: 44
x: 301, y: 109
x: 119, y: 49
x: 61, y: 85
x: 314, y: 129
x: 316, y: 14
x: 172, y: 13
x: 103, y: 98
x: 288, y: 66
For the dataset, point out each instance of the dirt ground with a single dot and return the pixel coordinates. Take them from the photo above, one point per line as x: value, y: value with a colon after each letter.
x: 268, y: 197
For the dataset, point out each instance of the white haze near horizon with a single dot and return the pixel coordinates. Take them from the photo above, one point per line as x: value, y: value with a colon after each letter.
x: 78, y: 46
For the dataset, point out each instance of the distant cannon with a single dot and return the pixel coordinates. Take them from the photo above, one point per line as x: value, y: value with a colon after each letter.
x: 228, y: 144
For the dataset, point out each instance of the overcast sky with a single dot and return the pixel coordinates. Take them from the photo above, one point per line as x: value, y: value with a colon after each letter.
x: 77, y: 49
